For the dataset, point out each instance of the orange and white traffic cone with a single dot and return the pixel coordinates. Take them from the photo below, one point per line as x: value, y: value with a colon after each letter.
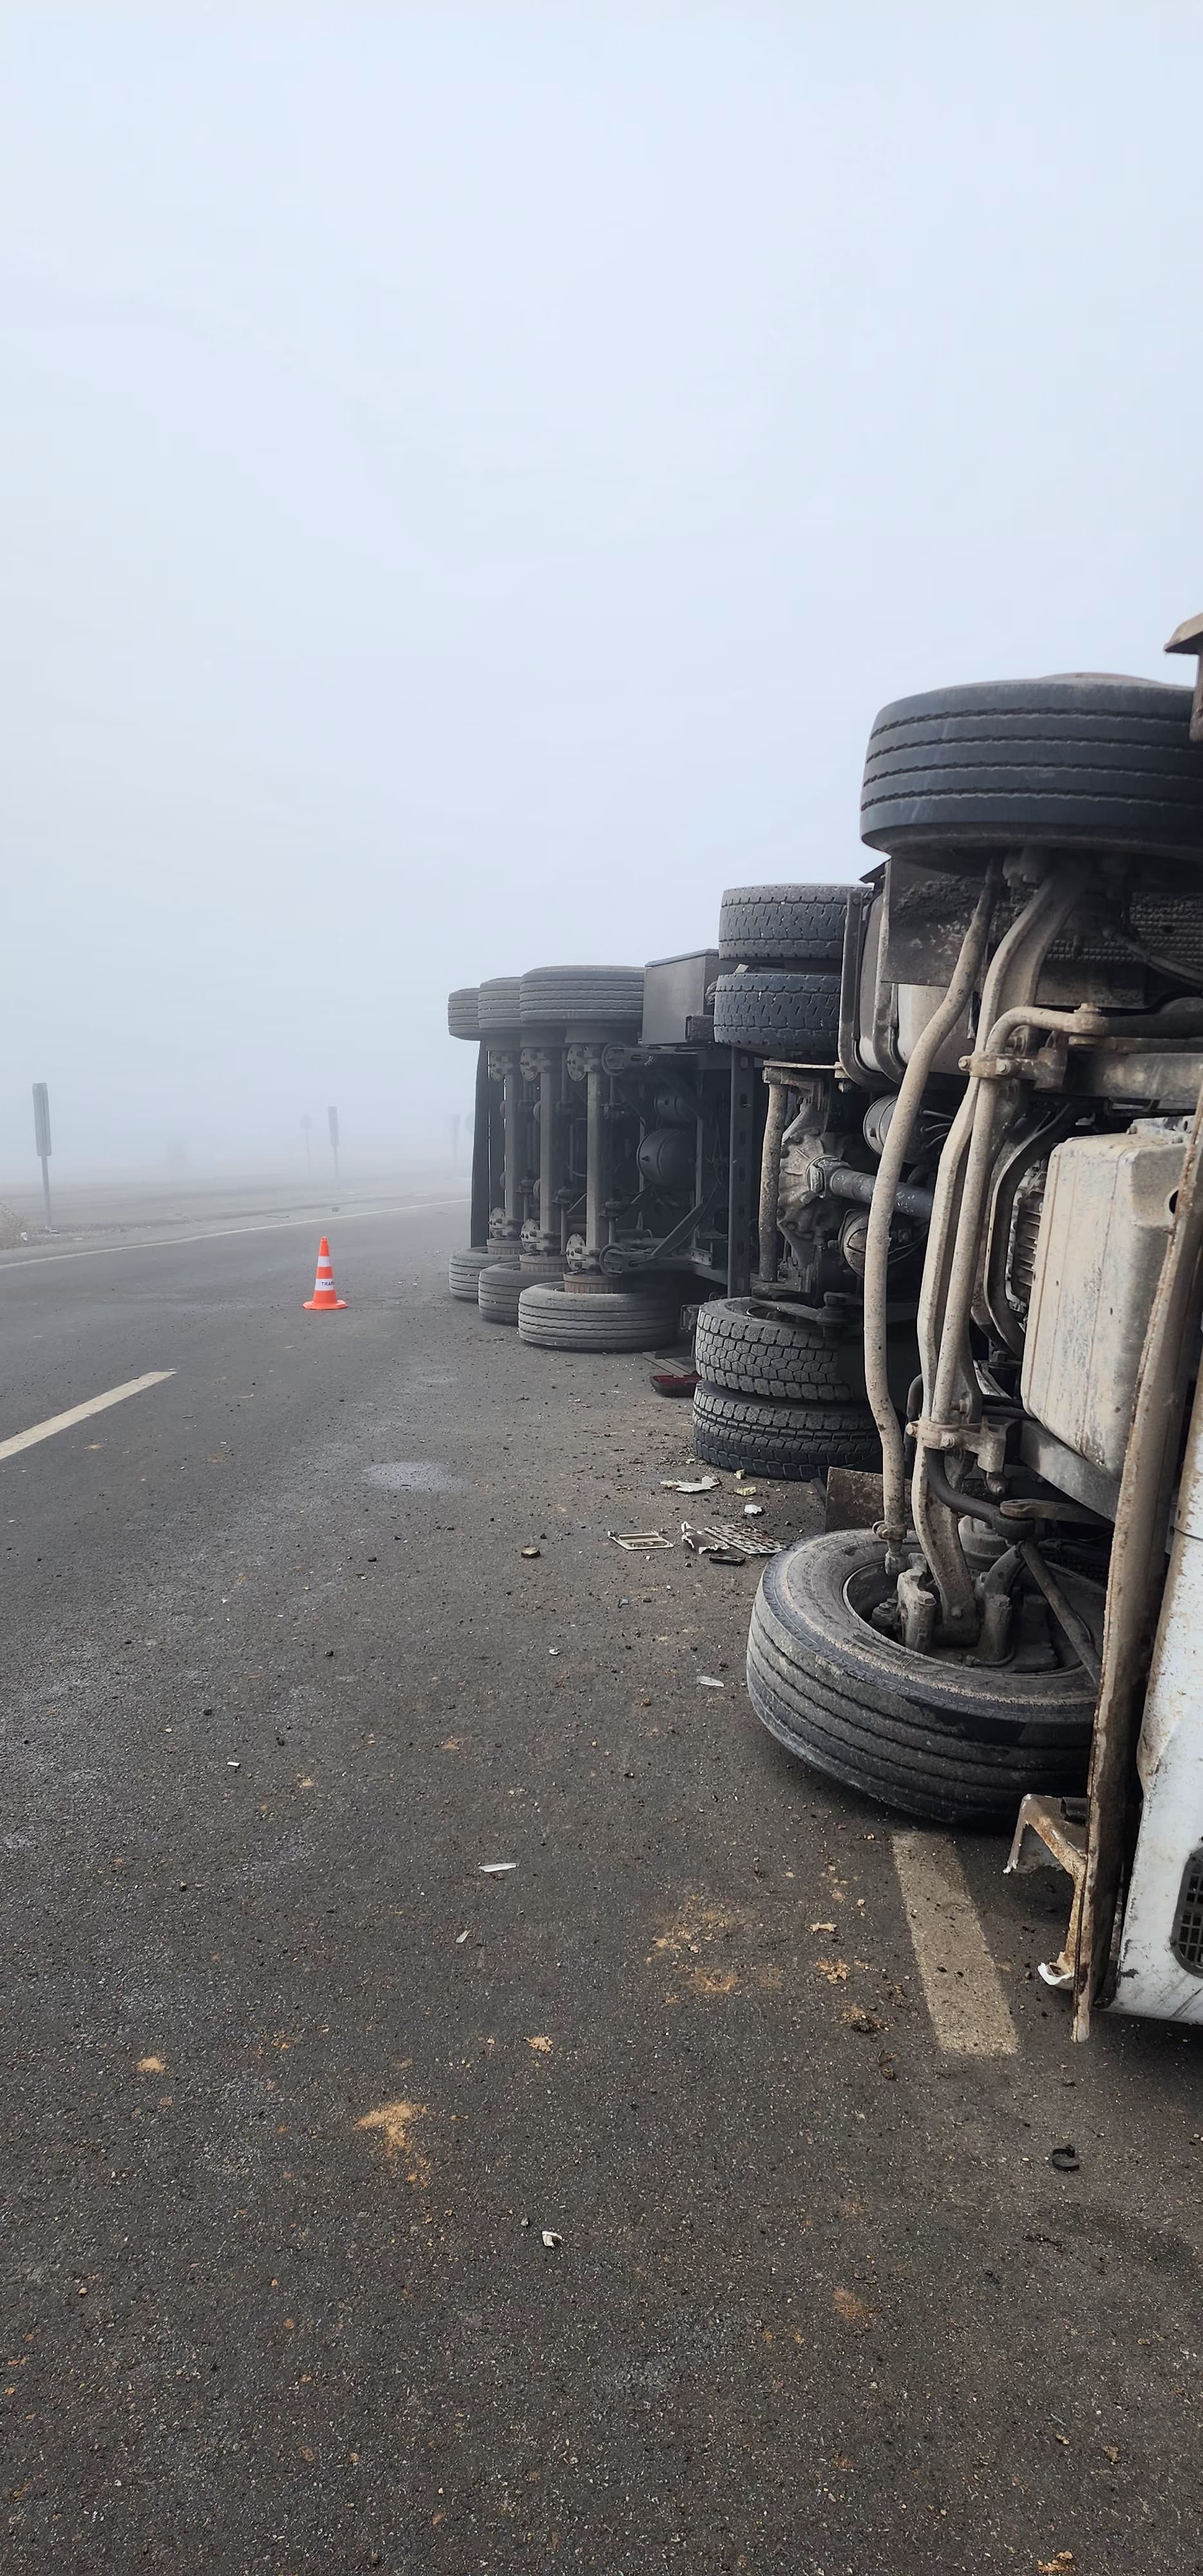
x: 325, y: 1296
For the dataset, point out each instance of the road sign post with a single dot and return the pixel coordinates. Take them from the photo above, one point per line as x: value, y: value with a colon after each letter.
x: 332, y: 1115
x: 41, y: 1141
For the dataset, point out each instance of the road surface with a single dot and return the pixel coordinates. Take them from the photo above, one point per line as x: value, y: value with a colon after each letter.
x: 296, y: 2093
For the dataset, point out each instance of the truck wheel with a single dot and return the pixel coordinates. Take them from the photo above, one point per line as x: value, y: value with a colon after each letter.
x: 463, y: 1019
x: 789, y: 1441
x: 498, y: 1005
x: 620, y: 1319
x: 1079, y: 758
x: 954, y: 1743
x: 783, y: 925
x: 609, y: 995
x: 775, y: 1012
x: 464, y: 1269
x: 498, y: 1291
x: 746, y: 1351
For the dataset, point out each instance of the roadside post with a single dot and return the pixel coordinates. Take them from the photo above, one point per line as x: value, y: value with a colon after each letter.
x: 41, y: 1140
x: 332, y: 1115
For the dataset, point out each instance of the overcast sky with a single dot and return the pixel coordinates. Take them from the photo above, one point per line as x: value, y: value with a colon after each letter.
x: 470, y: 475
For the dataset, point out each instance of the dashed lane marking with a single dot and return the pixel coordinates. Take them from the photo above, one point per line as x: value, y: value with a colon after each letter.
x: 81, y: 1412
x: 969, y: 2011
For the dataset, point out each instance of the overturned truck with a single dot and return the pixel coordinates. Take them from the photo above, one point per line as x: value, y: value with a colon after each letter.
x: 1015, y: 1640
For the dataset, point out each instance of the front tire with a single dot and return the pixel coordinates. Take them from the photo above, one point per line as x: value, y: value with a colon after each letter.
x: 950, y: 1742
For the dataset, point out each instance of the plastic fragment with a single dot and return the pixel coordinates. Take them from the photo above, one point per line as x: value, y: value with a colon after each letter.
x: 496, y: 1868
x: 552, y: 2238
x: 689, y: 1484
x: 710, y: 1681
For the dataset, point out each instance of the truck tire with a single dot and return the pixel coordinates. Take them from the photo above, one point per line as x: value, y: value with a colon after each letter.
x: 610, y: 995
x: 464, y: 1269
x: 745, y: 1351
x: 1077, y: 759
x: 463, y: 1018
x: 621, y: 1319
x: 787, y: 1441
x: 498, y: 1005
x: 783, y: 925
x: 498, y: 1291
x: 775, y: 1012
x: 953, y: 1743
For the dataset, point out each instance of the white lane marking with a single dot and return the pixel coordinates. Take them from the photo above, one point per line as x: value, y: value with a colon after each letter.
x: 217, y: 1234
x: 970, y: 2013
x: 81, y: 1412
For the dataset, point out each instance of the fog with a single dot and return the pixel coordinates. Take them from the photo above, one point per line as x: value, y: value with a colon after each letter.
x: 471, y: 475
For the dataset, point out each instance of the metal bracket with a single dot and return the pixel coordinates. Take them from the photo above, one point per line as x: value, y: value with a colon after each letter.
x: 1051, y: 1834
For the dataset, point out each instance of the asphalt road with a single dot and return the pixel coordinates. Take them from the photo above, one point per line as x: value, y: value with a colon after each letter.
x: 293, y: 2090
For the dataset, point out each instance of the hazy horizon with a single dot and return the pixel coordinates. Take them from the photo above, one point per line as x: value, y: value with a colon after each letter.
x: 472, y: 474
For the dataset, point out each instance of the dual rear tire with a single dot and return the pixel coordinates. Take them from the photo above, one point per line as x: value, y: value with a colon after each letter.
x: 776, y: 1397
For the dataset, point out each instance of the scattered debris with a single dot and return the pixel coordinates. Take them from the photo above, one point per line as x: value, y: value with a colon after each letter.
x: 823, y: 1927
x: 460, y: 1936
x: 714, y: 1539
x: 858, y: 2019
x: 1064, y: 2562
x: 753, y: 1511
x: 231, y: 1764
x: 674, y: 1381
x: 1065, y: 2160
x: 639, y: 1538
x: 532, y: 1551
x: 393, y: 2121
x: 710, y: 1681
x: 496, y: 1868
x: 552, y: 2238
x: 541, y: 2045
x: 689, y: 1485
x: 835, y: 1970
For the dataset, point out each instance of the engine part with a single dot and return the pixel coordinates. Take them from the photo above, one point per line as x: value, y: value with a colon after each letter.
x: 927, y: 1133
x: 1108, y: 1205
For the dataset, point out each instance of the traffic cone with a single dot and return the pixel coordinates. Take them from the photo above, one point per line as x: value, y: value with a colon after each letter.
x: 325, y: 1295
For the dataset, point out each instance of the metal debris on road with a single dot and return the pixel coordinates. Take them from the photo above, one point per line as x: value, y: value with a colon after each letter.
x: 496, y: 1868
x: 716, y: 1540
x: 688, y: 1484
x: 640, y: 1538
